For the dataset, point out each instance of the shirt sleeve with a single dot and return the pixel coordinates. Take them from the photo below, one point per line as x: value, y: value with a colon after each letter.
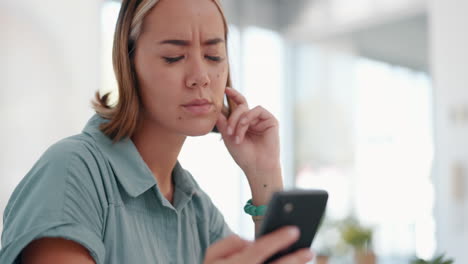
x: 60, y: 198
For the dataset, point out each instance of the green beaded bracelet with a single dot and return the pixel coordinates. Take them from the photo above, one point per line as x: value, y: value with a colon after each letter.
x: 253, y: 210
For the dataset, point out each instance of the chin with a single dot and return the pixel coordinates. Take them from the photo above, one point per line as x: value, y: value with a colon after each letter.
x: 201, y: 128
x: 197, y: 133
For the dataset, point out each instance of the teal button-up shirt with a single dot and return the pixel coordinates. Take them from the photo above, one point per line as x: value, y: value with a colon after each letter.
x: 103, y: 196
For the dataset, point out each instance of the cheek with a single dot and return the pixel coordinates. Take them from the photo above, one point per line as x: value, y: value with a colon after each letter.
x: 155, y: 93
x: 158, y: 80
x: 219, y: 79
x: 220, y: 76
x: 219, y: 88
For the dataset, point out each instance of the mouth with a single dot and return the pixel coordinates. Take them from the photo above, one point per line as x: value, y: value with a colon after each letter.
x: 198, y: 107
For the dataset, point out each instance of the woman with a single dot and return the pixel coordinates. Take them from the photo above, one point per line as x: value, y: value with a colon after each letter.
x: 116, y: 193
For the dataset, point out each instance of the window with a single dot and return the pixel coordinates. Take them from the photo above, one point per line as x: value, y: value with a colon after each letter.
x: 363, y: 131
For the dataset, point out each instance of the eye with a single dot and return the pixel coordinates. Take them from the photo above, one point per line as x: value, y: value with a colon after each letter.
x: 170, y: 60
x: 214, y: 58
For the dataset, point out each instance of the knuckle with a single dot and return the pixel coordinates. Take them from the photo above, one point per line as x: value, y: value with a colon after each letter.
x: 244, y: 117
x: 241, y: 109
x: 233, y: 118
x: 261, y: 248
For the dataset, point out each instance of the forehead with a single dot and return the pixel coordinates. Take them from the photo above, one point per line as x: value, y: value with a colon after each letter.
x: 184, y: 19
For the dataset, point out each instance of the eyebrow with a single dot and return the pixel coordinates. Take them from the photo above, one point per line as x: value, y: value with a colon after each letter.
x: 179, y: 42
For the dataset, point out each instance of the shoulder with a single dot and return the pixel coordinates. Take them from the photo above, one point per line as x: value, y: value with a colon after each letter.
x: 79, y: 148
x: 61, y: 196
x: 73, y: 159
x: 65, y: 172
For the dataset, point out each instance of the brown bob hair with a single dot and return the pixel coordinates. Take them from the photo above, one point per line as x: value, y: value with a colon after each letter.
x: 124, y: 116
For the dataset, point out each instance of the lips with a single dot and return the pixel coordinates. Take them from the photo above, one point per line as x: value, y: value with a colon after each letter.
x: 198, y: 106
x: 197, y: 102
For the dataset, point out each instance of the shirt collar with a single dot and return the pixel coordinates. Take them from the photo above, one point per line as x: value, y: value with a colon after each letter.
x: 129, y: 167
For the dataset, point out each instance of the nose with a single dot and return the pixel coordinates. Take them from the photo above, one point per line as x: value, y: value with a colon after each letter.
x: 197, y: 74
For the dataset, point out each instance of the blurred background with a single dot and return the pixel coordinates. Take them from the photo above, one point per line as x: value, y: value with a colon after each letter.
x: 371, y: 96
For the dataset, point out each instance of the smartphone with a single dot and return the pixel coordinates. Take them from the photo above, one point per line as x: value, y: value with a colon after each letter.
x: 301, y: 208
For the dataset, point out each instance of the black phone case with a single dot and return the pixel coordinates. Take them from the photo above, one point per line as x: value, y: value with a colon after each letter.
x: 301, y: 208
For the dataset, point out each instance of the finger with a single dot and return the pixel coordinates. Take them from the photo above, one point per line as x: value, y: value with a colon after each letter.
x: 221, y: 124
x: 234, y: 118
x: 246, y: 121
x: 258, y: 119
x: 248, y: 127
x: 252, y: 128
x: 225, y: 247
x: 237, y: 97
x: 259, y: 112
x: 254, y: 122
x: 263, y: 126
x: 300, y: 256
x: 242, y: 128
x: 267, y: 245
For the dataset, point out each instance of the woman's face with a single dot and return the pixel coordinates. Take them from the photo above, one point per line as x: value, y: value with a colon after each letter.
x: 181, y: 66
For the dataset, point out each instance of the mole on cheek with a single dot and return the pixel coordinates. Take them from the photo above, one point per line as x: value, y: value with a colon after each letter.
x: 180, y: 118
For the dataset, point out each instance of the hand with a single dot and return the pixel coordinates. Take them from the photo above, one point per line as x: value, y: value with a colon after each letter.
x: 234, y: 250
x: 251, y: 136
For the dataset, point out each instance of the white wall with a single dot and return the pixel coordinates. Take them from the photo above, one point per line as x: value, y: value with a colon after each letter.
x: 49, y: 68
x: 449, y: 55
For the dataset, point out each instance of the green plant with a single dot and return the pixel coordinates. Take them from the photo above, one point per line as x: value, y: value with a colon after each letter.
x: 356, y: 235
x: 436, y: 260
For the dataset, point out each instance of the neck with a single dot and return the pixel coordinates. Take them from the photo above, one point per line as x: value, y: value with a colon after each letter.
x: 159, y: 148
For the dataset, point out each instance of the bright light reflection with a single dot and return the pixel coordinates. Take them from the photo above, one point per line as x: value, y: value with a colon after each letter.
x: 394, y: 155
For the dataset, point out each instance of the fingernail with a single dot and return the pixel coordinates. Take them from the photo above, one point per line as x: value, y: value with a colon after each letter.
x: 229, y: 131
x: 293, y: 231
x: 237, y: 139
